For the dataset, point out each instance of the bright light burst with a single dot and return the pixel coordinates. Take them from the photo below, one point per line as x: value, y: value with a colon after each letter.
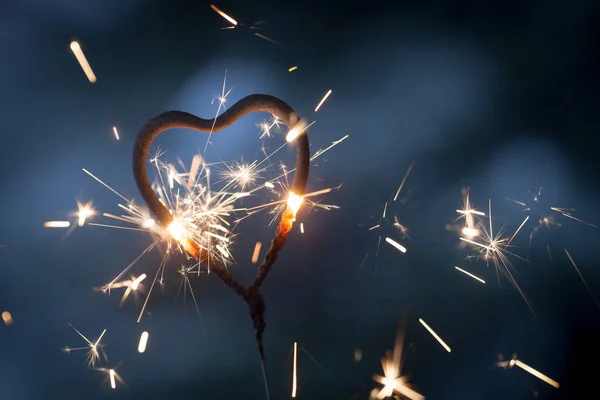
x: 95, y: 351
x: 392, y: 381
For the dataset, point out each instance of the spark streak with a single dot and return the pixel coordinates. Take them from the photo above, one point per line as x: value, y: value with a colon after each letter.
x: 294, y: 376
x: 57, y: 224
x: 470, y: 274
x: 225, y: 16
x: 410, y: 167
x: 295, y: 67
x: 112, y: 379
x: 435, y: 335
x: 256, y: 252
x: 143, y: 342
x: 395, y: 244
x: 582, y: 279
x: 115, y: 132
x: 323, y: 100
x: 529, y: 369
x: 76, y: 49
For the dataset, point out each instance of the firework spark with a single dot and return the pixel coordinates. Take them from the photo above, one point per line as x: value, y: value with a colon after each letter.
x: 57, y: 224
x: 143, y: 342
x: 83, y: 62
x: 116, y: 133
x: 470, y: 274
x: 515, y: 362
x: 225, y: 16
x: 493, y: 248
x: 435, y: 335
x: 323, y: 100
x: 294, y: 373
x: 392, y: 381
x: 95, y: 351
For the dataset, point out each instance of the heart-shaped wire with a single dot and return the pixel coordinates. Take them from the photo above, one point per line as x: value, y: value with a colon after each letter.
x: 162, y: 216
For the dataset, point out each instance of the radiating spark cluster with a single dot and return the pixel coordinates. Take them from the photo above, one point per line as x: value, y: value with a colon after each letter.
x: 387, y: 225
x: 95, y: 350
x: 391, y: 380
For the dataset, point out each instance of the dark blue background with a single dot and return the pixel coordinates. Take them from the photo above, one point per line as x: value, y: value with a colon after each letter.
x: 498, y: 96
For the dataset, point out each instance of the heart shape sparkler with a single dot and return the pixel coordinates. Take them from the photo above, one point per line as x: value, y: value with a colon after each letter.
x: 162, y: 216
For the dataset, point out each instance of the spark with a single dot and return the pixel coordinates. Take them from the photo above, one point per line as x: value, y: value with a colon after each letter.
x: 113, y: 376
x: 546, y: 220
x: 268, y: 39
x: 57, y: 224
x: 7, y: 318
x: 494, y: 250
x: 470, y: 274
x: 95, y: 348
x: 515, y: 362
x: 320, y: 152
x: 143, y: 342
x: 374, y: 227
x: 115, y: 132
x: 296, y: 131
x: 392, y: 381
x: 582, y: 278
x: 395, y: 244
x: 266, y: 126
x: 294, y: 373
x: 357, y: 355
x: 301, y: 227
x: 323, y: 100
x: 83, y: 62
x: 295, y: 67
x: 410, y: 167
x: 222, y: 100
x: 469, y: 214
x: 225, y: 16
x: 435, y: 335
x: 256, y: 252
x: 84, y: 212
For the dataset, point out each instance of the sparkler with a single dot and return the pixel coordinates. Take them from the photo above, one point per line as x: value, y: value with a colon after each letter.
x: 164, y: 218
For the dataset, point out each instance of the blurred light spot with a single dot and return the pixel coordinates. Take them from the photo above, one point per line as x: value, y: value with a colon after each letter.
x: 7, y: 318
